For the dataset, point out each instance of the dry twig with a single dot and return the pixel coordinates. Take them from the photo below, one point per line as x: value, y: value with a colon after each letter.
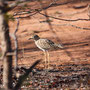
x: 14, y: 36
x: 84, y: 28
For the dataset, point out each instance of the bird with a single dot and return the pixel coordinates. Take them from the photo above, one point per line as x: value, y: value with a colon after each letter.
x: 45, y: 45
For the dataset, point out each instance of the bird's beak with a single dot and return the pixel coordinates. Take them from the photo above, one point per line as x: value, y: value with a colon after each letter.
x: 30, y: 38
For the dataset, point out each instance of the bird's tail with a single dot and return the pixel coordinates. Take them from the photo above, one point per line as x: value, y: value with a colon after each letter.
x: 59, y: 45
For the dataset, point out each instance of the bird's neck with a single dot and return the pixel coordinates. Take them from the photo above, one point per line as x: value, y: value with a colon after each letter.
x: 35, y: 39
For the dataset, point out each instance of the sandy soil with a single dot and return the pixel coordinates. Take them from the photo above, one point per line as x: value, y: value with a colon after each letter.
x: 68, y: 24
x: 76, y: 41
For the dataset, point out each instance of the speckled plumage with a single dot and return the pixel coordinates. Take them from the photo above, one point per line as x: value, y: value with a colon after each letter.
x: 45, y: 44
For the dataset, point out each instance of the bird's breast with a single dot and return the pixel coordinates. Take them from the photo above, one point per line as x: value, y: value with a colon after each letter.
x: 42, y: 44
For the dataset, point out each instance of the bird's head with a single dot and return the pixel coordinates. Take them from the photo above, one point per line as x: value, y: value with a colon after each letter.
x: 35, y: 37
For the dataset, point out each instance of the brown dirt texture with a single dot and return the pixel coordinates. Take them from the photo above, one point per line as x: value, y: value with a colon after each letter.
x: 67, y: 24
x: 74, y: 39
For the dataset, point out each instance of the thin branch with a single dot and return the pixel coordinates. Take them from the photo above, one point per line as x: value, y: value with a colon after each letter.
x: 23, y: 13
x: 16, y: 43
x: 64, y: 19
x: 27, y: 15
x: 32, y: 12
x: 17, y: 26
x: 38, y: 11
x: 23, y: 77
x: 84, y: 28
x: 53, y: 4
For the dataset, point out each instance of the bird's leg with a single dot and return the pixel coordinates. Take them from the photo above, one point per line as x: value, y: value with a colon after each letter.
x: 48, y: 59
x: 45, y: 54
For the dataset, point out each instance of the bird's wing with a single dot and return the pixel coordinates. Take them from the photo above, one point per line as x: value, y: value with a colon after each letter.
x: 52, y: 44
x: 49, y: 41
x: 45, y: 43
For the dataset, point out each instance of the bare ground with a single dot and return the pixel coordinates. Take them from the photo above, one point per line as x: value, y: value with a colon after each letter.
x: 69, y: 65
